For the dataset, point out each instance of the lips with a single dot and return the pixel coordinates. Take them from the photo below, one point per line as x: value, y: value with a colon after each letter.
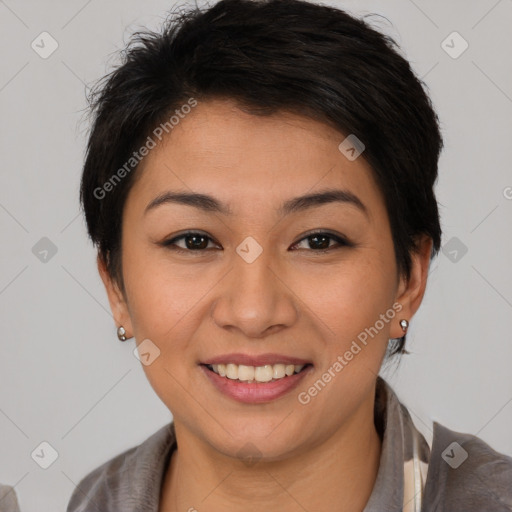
x: 259, y: 360
x: 266, y: 386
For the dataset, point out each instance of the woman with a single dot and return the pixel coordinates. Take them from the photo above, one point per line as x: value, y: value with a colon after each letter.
x: 259, y: 184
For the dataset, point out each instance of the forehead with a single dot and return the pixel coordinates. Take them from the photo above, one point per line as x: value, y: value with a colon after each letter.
x: 244, y: 159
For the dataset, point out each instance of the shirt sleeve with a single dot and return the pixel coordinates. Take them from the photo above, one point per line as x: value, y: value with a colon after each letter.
x: 8, y: 499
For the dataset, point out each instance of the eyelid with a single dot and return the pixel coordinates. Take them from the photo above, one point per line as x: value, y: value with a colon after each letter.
x: 170, y: 243
x: 342, y: 241
x: 339, y: 238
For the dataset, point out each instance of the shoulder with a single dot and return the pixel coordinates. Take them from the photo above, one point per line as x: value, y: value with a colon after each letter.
x: 8, y: 499
x: 465, y: 473
x: 129, y: 481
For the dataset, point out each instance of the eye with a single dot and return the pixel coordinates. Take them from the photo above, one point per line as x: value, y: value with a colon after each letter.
x: 193, y: 241
x: 319, y: 241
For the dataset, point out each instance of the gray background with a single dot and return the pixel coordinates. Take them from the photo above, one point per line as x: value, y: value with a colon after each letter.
x: 64, y: 377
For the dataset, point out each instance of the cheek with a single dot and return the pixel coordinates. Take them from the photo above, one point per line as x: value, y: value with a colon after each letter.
x: 160, y: 294
x: 165, y: 302
x: 354, y: 337
x: 352, y: 295
x: 166, y: 298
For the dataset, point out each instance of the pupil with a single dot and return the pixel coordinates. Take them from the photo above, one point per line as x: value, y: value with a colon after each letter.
x: 193, y: 244
x: 324, y: 239
x: 198, y: 242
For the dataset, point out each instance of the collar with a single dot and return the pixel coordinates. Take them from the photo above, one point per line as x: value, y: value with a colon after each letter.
x: 132, y: 481
x: 404, y: 456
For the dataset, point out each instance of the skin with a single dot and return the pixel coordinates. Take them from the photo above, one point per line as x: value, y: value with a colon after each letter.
x: 291, y: 300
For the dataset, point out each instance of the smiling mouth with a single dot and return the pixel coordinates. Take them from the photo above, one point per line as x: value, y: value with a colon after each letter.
x: 256, y: 374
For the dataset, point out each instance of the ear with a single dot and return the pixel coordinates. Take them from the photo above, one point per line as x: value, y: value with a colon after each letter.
x: 118, y: 304
x: 410, y: 292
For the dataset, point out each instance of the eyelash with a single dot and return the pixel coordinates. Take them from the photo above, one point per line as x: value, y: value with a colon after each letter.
x: 170, y: 244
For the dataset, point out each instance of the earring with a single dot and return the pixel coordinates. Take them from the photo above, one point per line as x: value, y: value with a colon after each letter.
x: 404, y: 324
x: 121, y: 333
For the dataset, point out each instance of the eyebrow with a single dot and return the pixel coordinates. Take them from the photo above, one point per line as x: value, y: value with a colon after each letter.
x: 209, y: 204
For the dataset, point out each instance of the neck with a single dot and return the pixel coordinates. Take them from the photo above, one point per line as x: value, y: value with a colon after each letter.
x: 337, y: 475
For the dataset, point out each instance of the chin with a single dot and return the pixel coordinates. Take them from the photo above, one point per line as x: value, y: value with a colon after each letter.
x: 259, y: 442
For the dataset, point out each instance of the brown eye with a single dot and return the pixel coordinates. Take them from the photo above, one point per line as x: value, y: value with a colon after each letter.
x: 321, y: 241
x: 192, y: 241
x: 198, y: 242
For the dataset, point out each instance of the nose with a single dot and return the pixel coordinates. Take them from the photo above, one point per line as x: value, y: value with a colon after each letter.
x: 255, y: 297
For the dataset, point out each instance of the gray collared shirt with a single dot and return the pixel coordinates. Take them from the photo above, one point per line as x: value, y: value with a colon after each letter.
x: 459, y: 472
x: 8, y: 499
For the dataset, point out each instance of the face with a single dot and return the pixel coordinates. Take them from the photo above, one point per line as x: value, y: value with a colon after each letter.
x: 260, y: 279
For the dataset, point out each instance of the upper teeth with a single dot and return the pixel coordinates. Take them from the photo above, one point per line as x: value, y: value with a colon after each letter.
x: 256, y: 373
